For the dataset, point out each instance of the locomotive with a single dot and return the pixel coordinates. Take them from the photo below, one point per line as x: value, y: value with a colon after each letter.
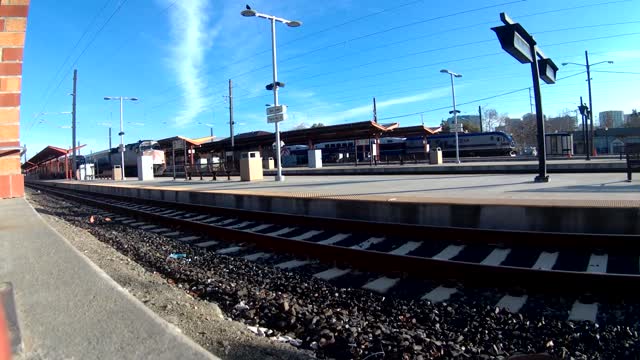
x: 106, y: 159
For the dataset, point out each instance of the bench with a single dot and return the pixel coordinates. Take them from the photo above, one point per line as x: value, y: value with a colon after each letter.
x: 633, y: 158
x: 208, y: 170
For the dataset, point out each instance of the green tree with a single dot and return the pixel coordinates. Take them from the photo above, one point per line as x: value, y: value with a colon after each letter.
x: 445, y: 126
x: 317, y: 125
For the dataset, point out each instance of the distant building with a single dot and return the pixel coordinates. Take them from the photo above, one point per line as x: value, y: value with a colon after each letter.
x: 611, y: 118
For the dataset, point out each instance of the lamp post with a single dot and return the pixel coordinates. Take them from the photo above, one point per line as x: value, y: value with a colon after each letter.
x: 588, y: 66
x: 291, y: 23
x: 121, y: 133
x: 606, y: 137
x: 455, y: 112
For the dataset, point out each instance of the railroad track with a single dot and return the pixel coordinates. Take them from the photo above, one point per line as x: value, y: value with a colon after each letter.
x: 517, y: 261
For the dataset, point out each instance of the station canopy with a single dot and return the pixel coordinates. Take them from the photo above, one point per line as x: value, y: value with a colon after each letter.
x: 46, y: 154
x: 352, y: 131
x: 412, y: 131
x: 168, y: 142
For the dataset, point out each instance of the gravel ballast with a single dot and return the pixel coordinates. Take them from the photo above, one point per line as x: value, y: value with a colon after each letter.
x: 329, y: 321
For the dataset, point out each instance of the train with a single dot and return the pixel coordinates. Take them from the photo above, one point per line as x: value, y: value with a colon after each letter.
x: 105, y: 160
x: 494, y: 143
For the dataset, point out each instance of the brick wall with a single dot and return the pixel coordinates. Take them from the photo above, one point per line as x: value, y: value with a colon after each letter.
x: 13, y: 23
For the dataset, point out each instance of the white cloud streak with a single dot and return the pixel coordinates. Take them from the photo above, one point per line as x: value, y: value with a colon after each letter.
x: 365, y: 112
x: 190, y: 39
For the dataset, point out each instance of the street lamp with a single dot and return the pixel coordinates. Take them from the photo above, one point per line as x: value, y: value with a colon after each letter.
x: 275, y: 85
x: 606, y: 136
x: 586, y: 56
x: 121, y: 133
x: 455, y: 112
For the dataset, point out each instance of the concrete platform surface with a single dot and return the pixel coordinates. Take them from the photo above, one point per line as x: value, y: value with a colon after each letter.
x: 67, y: 308
x: 583, y: 203
x: 603, y: 189
x: 468, y: 166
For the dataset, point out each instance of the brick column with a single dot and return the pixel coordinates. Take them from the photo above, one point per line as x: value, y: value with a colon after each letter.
x: 13, y: 23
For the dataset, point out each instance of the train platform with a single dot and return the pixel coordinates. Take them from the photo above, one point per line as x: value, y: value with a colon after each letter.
x: 58, y: 305
x: 501, y: 165
x: 583, y: 203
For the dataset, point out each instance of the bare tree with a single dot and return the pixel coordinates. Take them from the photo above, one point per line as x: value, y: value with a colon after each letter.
x: 492, y: 119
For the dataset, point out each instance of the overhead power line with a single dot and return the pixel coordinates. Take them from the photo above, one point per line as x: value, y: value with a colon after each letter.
x: 122, y: 3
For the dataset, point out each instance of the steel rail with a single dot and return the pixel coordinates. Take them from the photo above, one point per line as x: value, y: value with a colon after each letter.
x: 551, y: 281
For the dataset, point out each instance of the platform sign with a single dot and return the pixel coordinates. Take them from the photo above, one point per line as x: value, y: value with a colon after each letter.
x: 276, y: 118
x: 280, y: 109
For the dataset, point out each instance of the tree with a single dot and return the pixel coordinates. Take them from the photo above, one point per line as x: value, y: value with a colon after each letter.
x: 491, y: 119
x: 562, y: 123
x: 317, y: 125
x: 445, y: 126
x: 634, y: 119
x: 469, y: 126
x: 522, y: 130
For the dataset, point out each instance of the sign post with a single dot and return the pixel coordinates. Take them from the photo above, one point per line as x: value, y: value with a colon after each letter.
x: 517, y: 42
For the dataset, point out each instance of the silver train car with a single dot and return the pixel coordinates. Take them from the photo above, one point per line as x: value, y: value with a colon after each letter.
x: 105, y: 160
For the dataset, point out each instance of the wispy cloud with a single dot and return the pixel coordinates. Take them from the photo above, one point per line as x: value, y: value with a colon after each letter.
x: 190, y: 39
x: 365, y: 112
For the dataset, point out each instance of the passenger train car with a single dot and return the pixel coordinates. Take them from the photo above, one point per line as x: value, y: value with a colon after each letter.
x: 105, y: 160
x: 494, y: 143
x: 470, y: 144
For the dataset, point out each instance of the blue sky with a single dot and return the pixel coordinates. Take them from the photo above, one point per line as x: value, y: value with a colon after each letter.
x: 177, y: 58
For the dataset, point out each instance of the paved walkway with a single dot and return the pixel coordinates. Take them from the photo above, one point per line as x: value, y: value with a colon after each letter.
x: 67, y: 308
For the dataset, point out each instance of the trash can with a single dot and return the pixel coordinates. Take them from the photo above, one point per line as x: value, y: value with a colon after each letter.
x: 117, y: 173
x: 250, y: 166
x: 435, y: 156
x: 268, y: 163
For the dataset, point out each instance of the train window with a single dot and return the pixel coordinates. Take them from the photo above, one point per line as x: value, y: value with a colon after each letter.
x: 491, y: 138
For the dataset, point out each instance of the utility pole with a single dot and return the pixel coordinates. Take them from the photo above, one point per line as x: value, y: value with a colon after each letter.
x: 231, y: 114
x: 421, y: 119
x: 73, y: 123
x: 530, y: 102
x: 592, y: 149
x: 375, y: 112
x: 109, y: 137
x: 480, y: 115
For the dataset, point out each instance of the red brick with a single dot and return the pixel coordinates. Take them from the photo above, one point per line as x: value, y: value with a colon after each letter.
x: 10, y: 69
x: 12, y: 54
x: 10, y: 84
x: 11, y: 39
x: 9, y: 143
x: 15, y: 2
x: 1, y: 24
x: 15, y: 24
x: 10, y: 165
x: 14, y: 10
x: 10, y: 132
x: 9, y: 116
x: 11, y: 186
x: 9, y: 100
